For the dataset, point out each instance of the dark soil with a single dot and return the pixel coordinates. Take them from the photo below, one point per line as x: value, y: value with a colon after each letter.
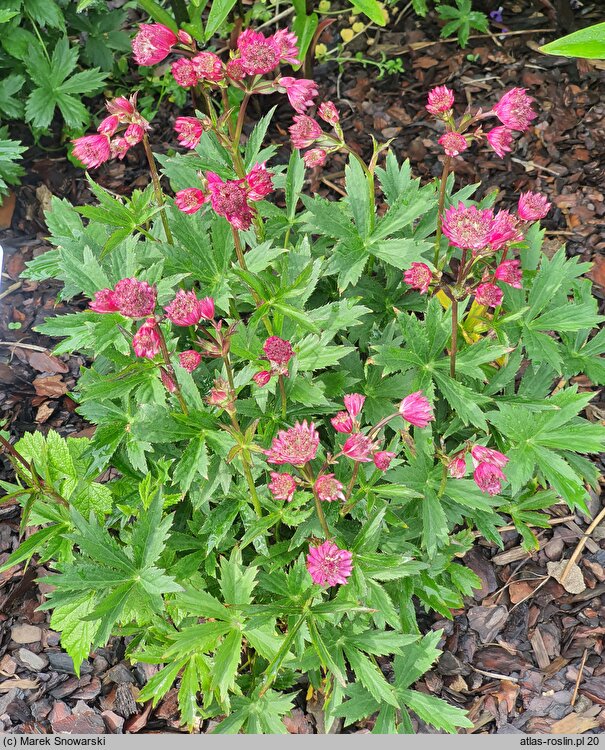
x: 525, y: 655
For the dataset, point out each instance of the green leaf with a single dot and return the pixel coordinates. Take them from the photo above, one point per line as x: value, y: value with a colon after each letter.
x: 435, y: 711
x: 219, y: 10
x: 372, y: 9
x: 371, y: 677
x: 434, y: 523
x: 77, y: 633
x: 226, y: 659
x: 587, y: 43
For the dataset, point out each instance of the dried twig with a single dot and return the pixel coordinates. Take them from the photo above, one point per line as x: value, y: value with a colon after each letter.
x: 579, y: 680
x: 580, y: 546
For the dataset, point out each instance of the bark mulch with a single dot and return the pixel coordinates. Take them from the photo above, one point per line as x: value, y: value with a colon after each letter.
x: 526, y: 653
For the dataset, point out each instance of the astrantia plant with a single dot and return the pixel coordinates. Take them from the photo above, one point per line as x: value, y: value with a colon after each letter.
x: 311, y: 407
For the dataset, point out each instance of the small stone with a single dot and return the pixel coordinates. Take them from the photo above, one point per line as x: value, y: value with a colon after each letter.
x: 59, y: 711
x: 8, y: 666
x: 32, y: 661
x: 554, y: 548
x: 573, y: 582
x: 487, y: 621
x: 448, y: 664
x: 99, y: 664
x: 113, y: 722
x: 119, y: 674
x: 83, y: 723
x: 26, y: 634
x: 62, y: 662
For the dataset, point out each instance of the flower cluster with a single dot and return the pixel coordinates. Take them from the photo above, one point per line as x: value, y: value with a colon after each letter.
x: 305, y: 131
x: 130, y: 297
x: 488, y: 464
x: 484, y: 232
x: 513, y: 110
x: 123, y: 128
x: 279, y: 352
x: 229, y: 198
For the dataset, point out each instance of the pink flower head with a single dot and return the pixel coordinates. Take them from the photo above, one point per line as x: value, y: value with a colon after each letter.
x: 418, y: 276
x: 457, y: 466
x: 134, y: 134
x: 146, y: 341
x: 207, y: 308
x: 533, y: 206
x: 440, y: 100
x: 235, y: 69
x: 184, y: 310
x: 453, y: 143
x: 304, y: 131
x: 135, y: 299
x: 509, y: 272
x: 259, y: 54
x: 488, y: 478
x: 328, y: 488
x: 500, y: 139
x: 468, y: 228
x: 208, y: 67
x: 109, y: 125
x: 278, y: 351
x: 262, y: 378
x: 104, y: 301
x: 282, y: 486
x: 328, y: 565
x: 354, y: 403
x: 167, y: 381
x: 122, y: 107
x: 483, y: 455
x: 287, y: 43
x: 119, y: 148
x: 92, y: 150
x: 189, y: 200
x: 301, y: 92
x: 189, y: 131
x: 296, y: 446
x: 328, y: 113
x: 259, y: 182
x: 230, y: 199
x: 221, y: 396
x: 184, y: 72
x: 382, y: 459
x: 359, y: 448
x: 190, y: 359
x: 489, y: 295
x: 504, y: 230
x: 342, y: 422
x: 514, y: 109
x: 315, y: 157
x: 152, y: 44
x: 416, y: 409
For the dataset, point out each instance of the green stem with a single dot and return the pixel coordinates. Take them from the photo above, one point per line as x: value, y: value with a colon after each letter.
x: 443, y: 484
x: 444, y: 174
x: 320, y: 514
x: 454, y: 348
x: 284, y: 400
x: 273, y: 668
x: 240, y: 167
x: 251, y: 486
x: 157, y: 188
x: 170, y: 368
x: 239, y: 251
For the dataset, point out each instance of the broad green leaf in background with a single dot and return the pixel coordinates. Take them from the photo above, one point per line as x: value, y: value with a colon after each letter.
x: 586, y: 43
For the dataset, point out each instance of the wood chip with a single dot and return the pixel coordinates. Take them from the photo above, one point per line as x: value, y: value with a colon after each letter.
x: 537, y: 643
x: 574, y: 724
